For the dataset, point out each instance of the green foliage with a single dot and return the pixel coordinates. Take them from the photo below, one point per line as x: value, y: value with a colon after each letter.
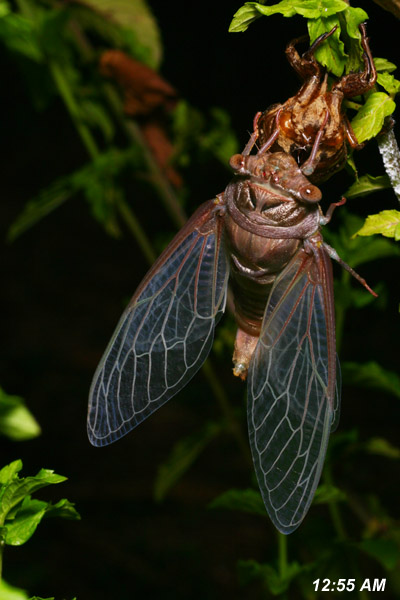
x: 370, y: 118
x: 16, y: 421
x: 385, y: 551
x: 96, y: 181
x: 249, y: 501
x: 371, y: 375
x: 272, y: 580
x: 197, y: 137
x: 387, y: 223
x: 310, y: 9
x: 367, y: 184
x: 135, y: 24
x: 19, y: 513
x: 181, y: 458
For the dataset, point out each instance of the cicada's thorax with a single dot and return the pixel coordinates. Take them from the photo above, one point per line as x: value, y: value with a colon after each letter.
x: 270, y: 208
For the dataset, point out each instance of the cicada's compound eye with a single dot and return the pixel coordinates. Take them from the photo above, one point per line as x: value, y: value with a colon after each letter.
x: 310, y: 193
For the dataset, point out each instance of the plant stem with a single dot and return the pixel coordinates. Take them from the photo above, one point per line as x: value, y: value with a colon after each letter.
x: 73, y: 109
x: 282, y: 555
x: 136, y: 229
x: 158, y: 179
x: 91, y: 147
x: 334, y: 508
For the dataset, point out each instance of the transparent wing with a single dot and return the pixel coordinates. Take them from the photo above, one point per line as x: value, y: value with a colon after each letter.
x: 166, y: 332
x: 292, y: 388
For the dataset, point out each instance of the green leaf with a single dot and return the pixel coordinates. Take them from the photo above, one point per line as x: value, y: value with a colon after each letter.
x: 18, y: 35
x: 5, y: 9
x: 244, y: 17
x: 371, y: 375
x: 63, y: 509
x: 331, y: 54
x: 9, y: 592
x: 389, y: 83
x: 386, y: 552
x: 134, y: 17
x: 197, y: 137
x: 354, y: 16
x: 251, y: 570
x: 97, y: 180
x: 368, y: 122
x: 29, y: 514
x: 248, y: 500
x: 384, y: 223
x: 16, y: 422
x: 366, y: 185
x: 17, y: 489
x: 382, y: 65
x: 355, y: 250
x: 94, y: 114
x: 9, y: 472
x: 183, y: 455
x: 328, y: 493
x: 24, y: 524
x: 382, y: 447
x: 310, y: 9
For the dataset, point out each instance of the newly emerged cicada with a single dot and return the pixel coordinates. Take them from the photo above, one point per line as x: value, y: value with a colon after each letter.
x: 263, y: 235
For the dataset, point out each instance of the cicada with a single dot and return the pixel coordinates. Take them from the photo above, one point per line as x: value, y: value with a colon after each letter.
x: 263, y: 235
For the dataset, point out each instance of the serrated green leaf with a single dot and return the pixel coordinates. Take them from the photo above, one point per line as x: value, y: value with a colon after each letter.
x: 368, y: 122
x: 183, y: 455
x: 9, y: 592
x: 356, y: 250
x: 382, y: 447
x: 326, y: 493
x: 384, y: 223
x: 9, y: 472
x: 382, y: 65
x: 16, y: 422
x: 15, y: 491
x: 366, y: 185
x: 386, y: 552
x: 331, y: 53
x: 248, y: 500
x: 24, y: 524
x: 246, y: 15
x: 251, y: 570
x: 354, y: 17
x: 63, y: 509
x: 371, y: 375
x: 389, y: 83
x: 310, y: 9
x: 29, y: 514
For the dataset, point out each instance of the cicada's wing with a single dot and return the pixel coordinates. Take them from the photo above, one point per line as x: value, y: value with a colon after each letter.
x: 166, y: 332
x: 292, y: 388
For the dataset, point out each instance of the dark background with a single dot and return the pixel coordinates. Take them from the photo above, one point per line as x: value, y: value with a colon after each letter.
x: 64, y: 284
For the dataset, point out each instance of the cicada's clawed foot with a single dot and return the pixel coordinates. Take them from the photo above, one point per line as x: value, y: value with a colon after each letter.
x: 244, y: 348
